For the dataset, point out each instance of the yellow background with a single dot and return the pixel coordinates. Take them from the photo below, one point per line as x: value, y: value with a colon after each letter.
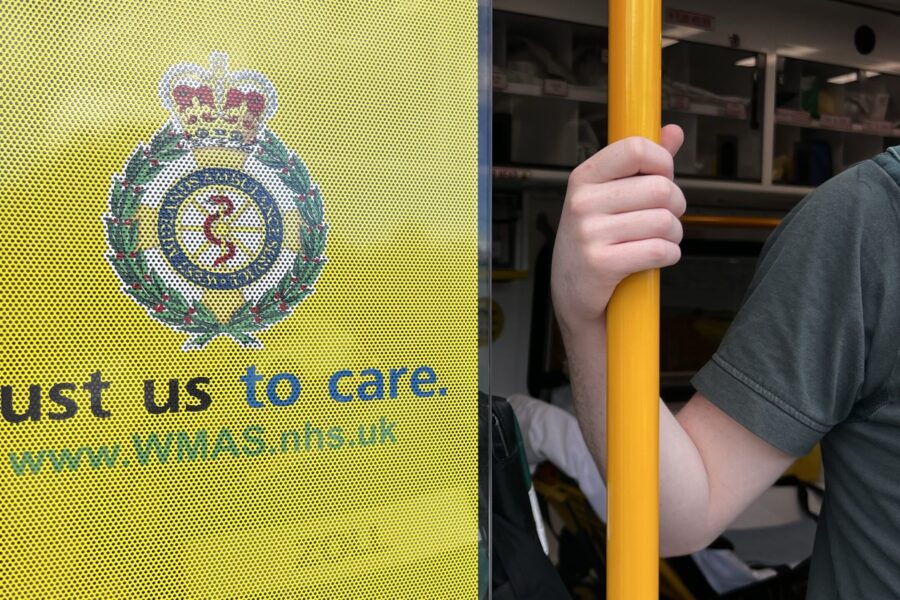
x: 379, y: 98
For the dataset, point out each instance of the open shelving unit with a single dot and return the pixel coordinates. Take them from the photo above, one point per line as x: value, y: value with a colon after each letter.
x: 550, y: 100
x: 752, y: 120
x: 828, y: 117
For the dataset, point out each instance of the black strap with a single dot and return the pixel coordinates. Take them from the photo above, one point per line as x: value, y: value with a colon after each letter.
x: 804, y: 488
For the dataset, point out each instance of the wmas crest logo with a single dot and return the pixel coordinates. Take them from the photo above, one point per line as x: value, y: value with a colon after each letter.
x: 215, y: 227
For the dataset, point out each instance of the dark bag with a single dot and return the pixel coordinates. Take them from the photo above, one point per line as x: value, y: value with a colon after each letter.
x: 520, y: 569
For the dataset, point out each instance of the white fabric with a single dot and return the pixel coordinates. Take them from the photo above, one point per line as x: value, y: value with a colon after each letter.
x: 725, y: 571
x: 551, y: 433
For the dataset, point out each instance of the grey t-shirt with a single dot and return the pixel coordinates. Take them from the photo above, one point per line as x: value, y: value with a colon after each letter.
x: 813, y: 356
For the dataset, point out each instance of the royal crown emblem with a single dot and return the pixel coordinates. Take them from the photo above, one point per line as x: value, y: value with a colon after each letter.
x: 215, y: 227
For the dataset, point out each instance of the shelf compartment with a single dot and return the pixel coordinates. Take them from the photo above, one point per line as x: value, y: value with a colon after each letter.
x: 836, y: 123
x: 829, y: 117
x: 589, y: 95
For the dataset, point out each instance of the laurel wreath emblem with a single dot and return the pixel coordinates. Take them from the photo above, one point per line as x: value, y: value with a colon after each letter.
x: 169, y: 306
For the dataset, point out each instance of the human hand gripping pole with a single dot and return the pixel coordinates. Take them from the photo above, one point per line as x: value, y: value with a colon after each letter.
x: 621, y: 216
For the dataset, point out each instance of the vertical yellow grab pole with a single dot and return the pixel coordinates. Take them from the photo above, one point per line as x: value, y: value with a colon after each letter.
x: 633, y: 327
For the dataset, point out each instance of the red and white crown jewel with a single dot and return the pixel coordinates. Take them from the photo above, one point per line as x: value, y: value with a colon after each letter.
x: 215, y: 106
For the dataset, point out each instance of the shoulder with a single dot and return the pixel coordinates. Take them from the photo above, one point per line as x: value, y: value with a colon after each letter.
x: 865, y: 190
x: 861, y: 202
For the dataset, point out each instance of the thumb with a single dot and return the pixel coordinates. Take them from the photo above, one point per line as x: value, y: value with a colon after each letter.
x: 671, y: 137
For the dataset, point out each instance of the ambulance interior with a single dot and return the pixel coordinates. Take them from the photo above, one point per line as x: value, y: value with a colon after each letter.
x: 774, y: 97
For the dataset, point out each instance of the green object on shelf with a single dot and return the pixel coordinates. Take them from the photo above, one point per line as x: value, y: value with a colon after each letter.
x: 809, y: 95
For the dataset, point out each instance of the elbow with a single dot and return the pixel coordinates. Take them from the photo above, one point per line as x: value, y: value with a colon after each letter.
x: 687, y: 539
x: 682, y: 546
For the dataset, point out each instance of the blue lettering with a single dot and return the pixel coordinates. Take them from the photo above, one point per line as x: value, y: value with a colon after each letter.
x: 372, y: 389
x: 424, y: 375
x: 336, y: 395
x: 272, y: 389
x: 396, y: 374
x: 251, y: 379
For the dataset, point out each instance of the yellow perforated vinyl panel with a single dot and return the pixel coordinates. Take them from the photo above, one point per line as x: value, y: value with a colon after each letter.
x: 238, y: 303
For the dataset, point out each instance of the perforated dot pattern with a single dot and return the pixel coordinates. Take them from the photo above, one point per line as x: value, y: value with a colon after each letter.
x: 238, y: 246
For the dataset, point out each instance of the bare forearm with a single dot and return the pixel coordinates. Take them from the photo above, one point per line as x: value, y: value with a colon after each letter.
x: 684, y: 490
x: 586, y: 352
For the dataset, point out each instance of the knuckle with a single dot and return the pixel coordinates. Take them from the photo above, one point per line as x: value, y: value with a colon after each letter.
x: 677, y: 230
x: 669, y: 165
x: 679, y: 202
x: 595, y: 256
x: 672, y: 224
x: 575, y: 176
x: 579, y: 203
x: 676, y: 254
x: 659, y: 251
x: 584, y: 231
x: 660, y: 222
x: 603, y: 259
x: 666, y: 253
x: 635, y: 150
x: 660, y: 189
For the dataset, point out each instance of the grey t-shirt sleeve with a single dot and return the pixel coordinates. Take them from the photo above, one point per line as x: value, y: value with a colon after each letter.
x: 814, y: 335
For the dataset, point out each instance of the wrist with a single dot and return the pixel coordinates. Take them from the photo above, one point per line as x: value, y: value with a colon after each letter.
x: 575, y: 327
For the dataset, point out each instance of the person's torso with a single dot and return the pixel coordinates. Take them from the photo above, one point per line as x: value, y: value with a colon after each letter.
x: 857, y: 551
